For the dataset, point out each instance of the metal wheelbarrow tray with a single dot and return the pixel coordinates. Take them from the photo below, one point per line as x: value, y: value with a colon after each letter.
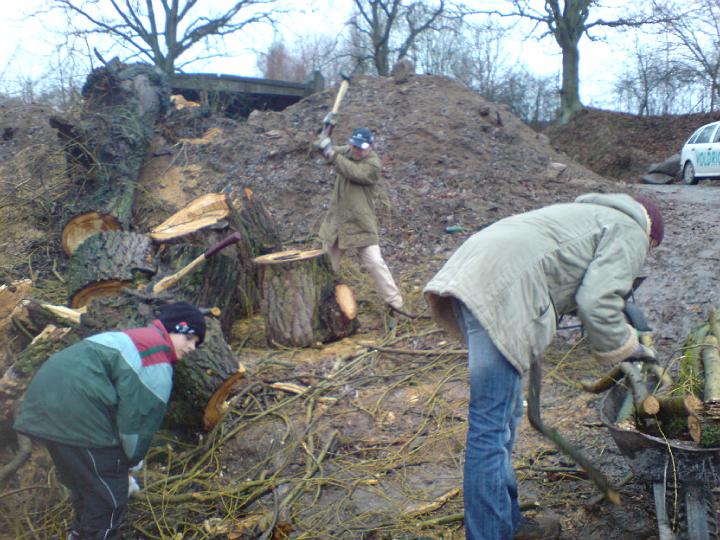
x: 665, y: 464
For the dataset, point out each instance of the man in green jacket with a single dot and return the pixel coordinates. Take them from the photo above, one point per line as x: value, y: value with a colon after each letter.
x: 502, y: 292
x: 96, y: 406
x: 350, y: 221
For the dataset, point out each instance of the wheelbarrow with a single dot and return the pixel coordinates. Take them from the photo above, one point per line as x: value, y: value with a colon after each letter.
x: 672, y: 467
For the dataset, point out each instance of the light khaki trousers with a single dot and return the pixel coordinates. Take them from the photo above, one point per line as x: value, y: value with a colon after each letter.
x: 375, y: 265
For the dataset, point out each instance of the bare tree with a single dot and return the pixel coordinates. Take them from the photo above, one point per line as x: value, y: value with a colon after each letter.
x: 654, y: 82
x: 295, y: 62
x: 277, y: 63
x: 567, y: 21
x: 389, y: 28
x: 696, y: 29
x: 161, y: 31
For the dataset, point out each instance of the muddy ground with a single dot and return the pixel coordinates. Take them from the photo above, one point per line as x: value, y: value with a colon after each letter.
x: 390, y: 401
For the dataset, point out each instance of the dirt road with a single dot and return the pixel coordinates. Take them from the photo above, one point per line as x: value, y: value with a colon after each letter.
x: 684, y: 272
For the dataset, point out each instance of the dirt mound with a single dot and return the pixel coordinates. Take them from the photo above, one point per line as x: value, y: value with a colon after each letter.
x: 621, y: 145
x: 450, y: 158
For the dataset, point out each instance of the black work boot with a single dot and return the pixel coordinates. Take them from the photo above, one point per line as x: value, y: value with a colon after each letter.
x: 541, y: 527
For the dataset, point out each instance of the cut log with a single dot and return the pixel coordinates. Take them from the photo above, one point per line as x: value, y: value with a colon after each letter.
x: 106, y: 148
x: 248, y: 215
x: 217, y: 406
x: 207, y: 220
x: 13, y: 341
x: 302, y: 301
x: 205, y: 211
x: 690, y: 374
x: 107, y: 262
x: 711, y: 365
x: 213, y: 283
x: 16, y: 378
x: 704, y: 431
x: 196, y: 377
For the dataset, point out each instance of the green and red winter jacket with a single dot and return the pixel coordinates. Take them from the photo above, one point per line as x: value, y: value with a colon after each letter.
x: 110, y: 389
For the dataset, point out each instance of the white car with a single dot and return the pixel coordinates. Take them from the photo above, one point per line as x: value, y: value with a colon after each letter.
x: 700, y: 157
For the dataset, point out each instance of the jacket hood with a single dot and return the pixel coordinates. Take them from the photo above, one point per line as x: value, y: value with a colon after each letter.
x: 622, y: 202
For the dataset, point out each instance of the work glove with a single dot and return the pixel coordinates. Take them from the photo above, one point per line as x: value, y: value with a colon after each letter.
x: 642, y: 354
x: 329, y: 119
x: 133, y: 486
x: 325, y: 146
x: 138, y: 467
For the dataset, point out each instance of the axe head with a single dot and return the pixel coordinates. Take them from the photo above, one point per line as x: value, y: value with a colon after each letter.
x: 344, y: 76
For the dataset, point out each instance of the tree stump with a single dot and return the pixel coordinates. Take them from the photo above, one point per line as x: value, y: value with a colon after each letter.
x: 302, y: 300
x: 106, y: 148
x: 107, y: 262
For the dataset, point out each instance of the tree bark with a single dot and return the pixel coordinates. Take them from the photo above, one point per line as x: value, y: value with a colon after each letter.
x: 107, y: 262
x: 16, y: 378
x: 570, y: 94
x: 301, y: 300
x: 211, y: 284
x: 105, y: 149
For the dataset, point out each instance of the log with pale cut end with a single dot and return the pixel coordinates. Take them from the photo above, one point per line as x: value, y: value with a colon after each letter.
x: 301, y: 301
x: 107, y: 262
x: 206, y: 221
x: 197, y: 376
x: 704, y: 431
x: 217, y: 406
x: 14, y: 339
x: 206, y: 211
x: 106, y: 148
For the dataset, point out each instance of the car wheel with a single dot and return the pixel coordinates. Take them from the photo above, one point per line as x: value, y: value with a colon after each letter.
x: 688, y: 176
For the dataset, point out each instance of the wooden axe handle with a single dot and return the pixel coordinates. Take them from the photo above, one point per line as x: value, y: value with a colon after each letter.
x: 340, y: 95
x: 167, y: 282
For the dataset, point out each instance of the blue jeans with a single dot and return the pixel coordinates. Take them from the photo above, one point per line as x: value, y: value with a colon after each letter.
x: 495, y: 410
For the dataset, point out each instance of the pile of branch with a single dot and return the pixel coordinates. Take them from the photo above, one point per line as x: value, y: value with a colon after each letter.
x: 686, y: 408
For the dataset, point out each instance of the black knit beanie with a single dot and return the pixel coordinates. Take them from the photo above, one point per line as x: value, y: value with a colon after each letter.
x: 183, y: 318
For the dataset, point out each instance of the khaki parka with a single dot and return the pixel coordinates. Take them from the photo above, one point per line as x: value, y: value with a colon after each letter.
x: 351, y: 219
x: 522, y: 272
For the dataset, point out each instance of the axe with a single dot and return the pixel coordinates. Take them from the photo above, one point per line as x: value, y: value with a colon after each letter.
x: 167, y: 282
x: 328, y: 126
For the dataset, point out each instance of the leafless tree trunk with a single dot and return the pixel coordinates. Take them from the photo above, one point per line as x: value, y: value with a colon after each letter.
x: 695, y: 25
x: 567, y: 21
x: 390, y: 27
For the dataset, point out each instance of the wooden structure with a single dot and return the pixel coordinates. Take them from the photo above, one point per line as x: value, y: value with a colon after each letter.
x: 239, y: 96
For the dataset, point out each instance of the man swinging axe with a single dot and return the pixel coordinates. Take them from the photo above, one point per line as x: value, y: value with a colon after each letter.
x: 350, y: 222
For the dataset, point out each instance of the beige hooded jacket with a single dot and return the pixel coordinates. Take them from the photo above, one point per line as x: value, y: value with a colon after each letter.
x: 519, y: 274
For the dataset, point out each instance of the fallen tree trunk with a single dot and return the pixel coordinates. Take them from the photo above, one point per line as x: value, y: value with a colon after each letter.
x: 16, y: 379
x: 196, y: 377
x: 105, y: 149
x: 302, y: 301
x: 106, y: 263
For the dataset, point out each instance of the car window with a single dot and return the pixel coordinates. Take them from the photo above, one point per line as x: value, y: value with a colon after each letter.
x: 716, y: 137
x: 694, y: 137
x: 705, y: 134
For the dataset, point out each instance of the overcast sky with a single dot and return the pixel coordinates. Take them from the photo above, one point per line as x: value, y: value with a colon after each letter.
x: 27, y: 44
